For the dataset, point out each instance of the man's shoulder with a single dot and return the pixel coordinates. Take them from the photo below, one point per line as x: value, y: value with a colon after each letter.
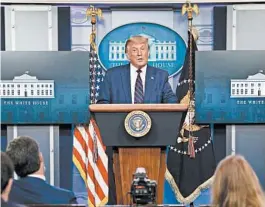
x: 62, y: 191
x: 33, y: 182
x: 117, y: 69
x: 158, y: 70
x: 42, y: 190
x: 19, y: 182
x: 64, y: 194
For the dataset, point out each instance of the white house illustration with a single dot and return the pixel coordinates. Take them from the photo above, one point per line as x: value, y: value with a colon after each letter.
x: 159, y: 50
x: 26, y: 86
x: 253, y: 86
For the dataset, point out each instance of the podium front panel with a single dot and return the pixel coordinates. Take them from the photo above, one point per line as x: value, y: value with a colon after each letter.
x: 163, y: 132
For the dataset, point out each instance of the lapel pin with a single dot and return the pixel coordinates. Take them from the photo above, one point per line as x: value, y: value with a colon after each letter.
x: 152, y: 78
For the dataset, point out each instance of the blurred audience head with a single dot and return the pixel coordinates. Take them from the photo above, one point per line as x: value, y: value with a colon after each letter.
x: 236, y: 184
x: 26, y: 156
x: 7, y: 171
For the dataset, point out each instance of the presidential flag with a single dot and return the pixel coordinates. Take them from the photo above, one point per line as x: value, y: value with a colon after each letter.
x: 191, y: 162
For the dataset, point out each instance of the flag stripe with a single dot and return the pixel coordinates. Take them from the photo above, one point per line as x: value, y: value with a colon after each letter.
x: 100, y: 170
x: 80, y: 169
x: 82, y: 155
x: 80, y: 140
x: 97, y: 132
x: 100, y: 183
x: 99, y: 191
x: 95, y: 179
x: 101, y: 149
x: 79, y: 159
x: 97, y: 172
x: 103, y: 170
x: 91, y: 187
x: 89, y: 168
x: 91, y: 198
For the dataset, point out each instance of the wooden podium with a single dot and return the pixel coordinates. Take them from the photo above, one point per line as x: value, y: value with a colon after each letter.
x: 130, y: 153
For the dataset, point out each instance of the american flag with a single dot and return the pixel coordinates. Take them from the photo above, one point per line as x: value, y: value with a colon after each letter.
x: 89, y: 154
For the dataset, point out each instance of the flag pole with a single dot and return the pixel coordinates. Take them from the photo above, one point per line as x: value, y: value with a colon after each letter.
x: 190, y: 8
x: 94, y: 13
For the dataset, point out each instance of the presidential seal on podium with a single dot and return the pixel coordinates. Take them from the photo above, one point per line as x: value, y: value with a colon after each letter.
x: 137, y: 123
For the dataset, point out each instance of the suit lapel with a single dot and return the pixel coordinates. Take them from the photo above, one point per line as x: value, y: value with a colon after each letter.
x: 149, y: 84
x: 126, y: 83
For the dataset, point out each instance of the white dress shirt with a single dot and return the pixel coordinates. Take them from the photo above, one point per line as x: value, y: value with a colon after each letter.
x: 133, y: 75
x: 37, y: 176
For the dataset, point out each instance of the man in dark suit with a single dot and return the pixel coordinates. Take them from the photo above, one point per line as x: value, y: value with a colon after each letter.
x: 31, y: 187
x: 136, y: 82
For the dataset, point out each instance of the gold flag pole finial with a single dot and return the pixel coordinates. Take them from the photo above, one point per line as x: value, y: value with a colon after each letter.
x: 94, y: 13
x: 190, y: 8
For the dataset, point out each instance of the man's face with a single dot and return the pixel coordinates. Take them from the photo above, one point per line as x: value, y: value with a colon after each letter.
x: 137, y: 54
